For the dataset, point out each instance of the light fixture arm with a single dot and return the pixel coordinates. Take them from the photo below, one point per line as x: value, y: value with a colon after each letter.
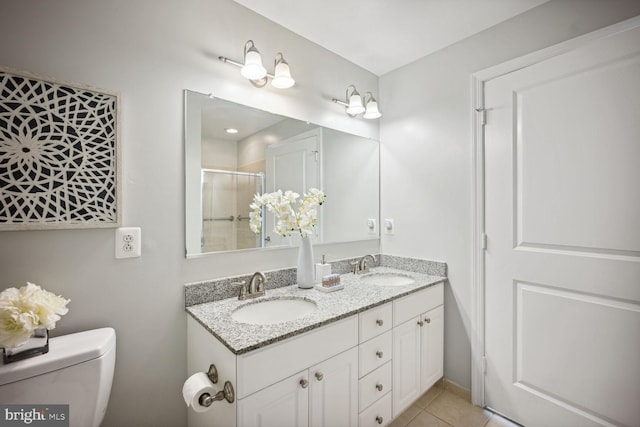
x: 249, y: 46
x: 367, y: 98
x: 279, y: 59
x: 347, y: 97
x: 353, y: 92
x: 337, y: 101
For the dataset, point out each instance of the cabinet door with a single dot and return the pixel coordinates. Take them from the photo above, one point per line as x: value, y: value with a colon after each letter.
x: 406, y: 364
x: 333, y: 391
x: 284, y: 404
x: 432, y: 343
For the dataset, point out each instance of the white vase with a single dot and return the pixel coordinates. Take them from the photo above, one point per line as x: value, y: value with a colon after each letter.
x: 305, y: 264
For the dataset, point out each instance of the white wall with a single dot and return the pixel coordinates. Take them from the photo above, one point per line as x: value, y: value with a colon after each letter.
x: 351, y: 172
x: 150, y: 51
x: 426, y: 136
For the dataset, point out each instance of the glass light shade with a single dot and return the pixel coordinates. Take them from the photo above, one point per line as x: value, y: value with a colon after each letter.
x: 355, y: 104
x: 253, y: 68
x: 282, y: 78
x: 372, y: 111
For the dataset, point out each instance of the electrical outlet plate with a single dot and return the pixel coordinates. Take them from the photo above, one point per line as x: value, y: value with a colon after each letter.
x: 128, y: 242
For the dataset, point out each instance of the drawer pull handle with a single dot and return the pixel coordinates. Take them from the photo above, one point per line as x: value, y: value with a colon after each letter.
x: 379, y: 419
x: 380, y: 354
x: 420, y: 323
x: 428, y: 320
x: 319, y: 376
x: 379, y: 387
x: 304, y: 383
x: 379, y: 322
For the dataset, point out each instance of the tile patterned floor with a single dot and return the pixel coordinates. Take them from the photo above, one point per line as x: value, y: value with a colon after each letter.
x: 442, y: 406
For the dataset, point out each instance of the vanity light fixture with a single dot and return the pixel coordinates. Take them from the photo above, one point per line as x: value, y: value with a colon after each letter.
x: 231, y: 130
x: 356, y: 105
x: 282, y: 78
x: 253, y: 70
x: 371, y: 107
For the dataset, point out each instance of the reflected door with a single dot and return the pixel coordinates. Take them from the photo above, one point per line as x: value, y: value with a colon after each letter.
x: 293, y: 164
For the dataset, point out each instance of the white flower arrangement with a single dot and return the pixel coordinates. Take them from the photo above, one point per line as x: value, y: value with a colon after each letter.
x: 282, y: 205
x: 24, y: 310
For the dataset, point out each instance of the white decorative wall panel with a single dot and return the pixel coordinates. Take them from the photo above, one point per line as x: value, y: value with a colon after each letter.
x: 59, y: 164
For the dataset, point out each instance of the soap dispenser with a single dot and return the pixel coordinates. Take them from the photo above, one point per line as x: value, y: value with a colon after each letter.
x: 321, y: 270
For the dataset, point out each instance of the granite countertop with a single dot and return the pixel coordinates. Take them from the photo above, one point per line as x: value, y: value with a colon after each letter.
x: 332, y: 306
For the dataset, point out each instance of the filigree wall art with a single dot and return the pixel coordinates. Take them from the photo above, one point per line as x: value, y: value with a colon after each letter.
x: 59, y: 154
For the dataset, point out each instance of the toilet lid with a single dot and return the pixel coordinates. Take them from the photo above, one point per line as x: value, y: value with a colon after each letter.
x: 64, y: 351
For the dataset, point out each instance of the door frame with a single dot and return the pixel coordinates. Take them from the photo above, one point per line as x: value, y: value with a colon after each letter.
x: 478, y: 238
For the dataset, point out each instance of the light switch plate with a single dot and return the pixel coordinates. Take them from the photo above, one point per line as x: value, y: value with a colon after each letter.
x: 128, y: 242
x: 371, y: 226
x: 388, y: 226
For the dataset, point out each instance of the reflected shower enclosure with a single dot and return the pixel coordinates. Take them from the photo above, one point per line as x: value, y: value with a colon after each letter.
x: 226, y: 196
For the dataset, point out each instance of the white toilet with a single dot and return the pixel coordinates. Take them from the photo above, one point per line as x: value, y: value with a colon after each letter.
x: 77, y: 371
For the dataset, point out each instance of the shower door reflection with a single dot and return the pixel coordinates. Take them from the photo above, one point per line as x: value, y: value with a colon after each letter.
x: 226, y: 196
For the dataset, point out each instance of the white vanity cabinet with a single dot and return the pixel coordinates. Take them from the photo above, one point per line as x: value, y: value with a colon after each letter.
x: 323, y: 395
x: 363, y: 370
x: 418, y: 336
x: 307, y: 380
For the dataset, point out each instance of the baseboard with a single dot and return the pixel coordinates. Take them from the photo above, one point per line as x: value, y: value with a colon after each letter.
x: 456, y: 389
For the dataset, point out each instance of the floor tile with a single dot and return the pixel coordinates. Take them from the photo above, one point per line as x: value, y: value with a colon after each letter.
x: 425, y: 419
x: 428, y: 397
x: 457, y: 411
x: 404, y: 418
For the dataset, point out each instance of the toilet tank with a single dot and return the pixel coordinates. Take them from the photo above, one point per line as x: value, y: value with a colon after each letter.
x: 77, y: 371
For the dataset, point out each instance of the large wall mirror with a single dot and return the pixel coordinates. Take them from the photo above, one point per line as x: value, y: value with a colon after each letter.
x: 233, y: 152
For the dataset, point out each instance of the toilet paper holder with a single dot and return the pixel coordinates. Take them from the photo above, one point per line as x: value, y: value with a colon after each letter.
x: 227, y: 393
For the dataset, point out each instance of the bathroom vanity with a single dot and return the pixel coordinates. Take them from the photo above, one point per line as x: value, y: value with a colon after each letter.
x: 359, y: 357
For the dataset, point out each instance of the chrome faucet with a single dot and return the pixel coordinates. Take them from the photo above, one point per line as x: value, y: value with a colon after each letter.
x: 362, y: 266
x: 254, y: 289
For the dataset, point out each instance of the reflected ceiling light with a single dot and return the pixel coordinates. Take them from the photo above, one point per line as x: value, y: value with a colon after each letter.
x: 254, y: 71
x: 355, y: 106
x: 231, y: 130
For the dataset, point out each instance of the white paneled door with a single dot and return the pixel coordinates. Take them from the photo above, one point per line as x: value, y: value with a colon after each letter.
x: 562, y: 218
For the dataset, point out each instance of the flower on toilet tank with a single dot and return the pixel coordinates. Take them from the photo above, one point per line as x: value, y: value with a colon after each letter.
x: 26, y: 309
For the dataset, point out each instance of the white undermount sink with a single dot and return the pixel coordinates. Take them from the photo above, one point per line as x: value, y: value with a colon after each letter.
x: 386, y: 279
x: 269, y: 312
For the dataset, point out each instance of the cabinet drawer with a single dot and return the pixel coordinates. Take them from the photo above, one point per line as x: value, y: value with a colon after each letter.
x: 260, y: 368
x: 375, y: 385
x: 375, y: 321
x: 378, y: 414
x: 375, y: 353
x: 417, y: 303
